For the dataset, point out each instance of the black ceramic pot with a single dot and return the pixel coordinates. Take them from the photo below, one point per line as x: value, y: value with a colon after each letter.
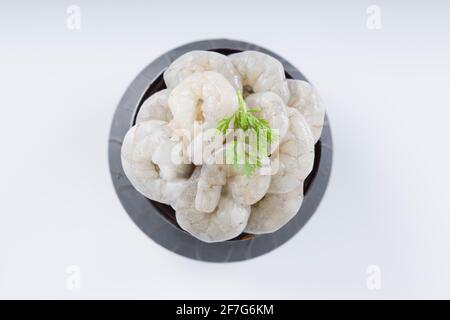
x: 157, y: 220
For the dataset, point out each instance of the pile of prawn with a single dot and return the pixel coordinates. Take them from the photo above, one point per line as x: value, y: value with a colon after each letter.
x: 213, y: 201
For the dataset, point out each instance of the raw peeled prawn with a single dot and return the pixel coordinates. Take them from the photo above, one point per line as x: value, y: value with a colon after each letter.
x: 245, y: 190
x: 294, y: 158
x: 202, y: 148
x: 248, y: 190
x: 274, y: 110
x: 227, y: 221
x: 155, y: 108
x: 202, y: 98
x: 212, y: 179
x: 260, y: 72
x: 199, y: 61
x: 305, y: 99
x: 274, y: 211
x: 147, y: 162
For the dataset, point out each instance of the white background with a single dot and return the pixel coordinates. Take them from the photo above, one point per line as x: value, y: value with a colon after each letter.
x: 387, y: 97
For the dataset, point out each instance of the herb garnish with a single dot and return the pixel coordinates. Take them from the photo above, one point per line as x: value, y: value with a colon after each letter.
x: 247, y: 153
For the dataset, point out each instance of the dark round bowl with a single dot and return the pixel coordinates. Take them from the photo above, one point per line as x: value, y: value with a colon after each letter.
x: 157, y: 220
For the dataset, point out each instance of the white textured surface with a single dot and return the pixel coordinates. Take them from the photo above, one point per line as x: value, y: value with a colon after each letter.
x: 386, y: 93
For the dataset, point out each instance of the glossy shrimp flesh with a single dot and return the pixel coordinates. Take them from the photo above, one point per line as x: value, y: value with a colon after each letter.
x: 203, y: 99
x: 261, y: 72
x: 294, y: 157
x: 147, y: 160
x: 226, y: 222
x: 209, y: 189
x: 273, y: 110
x: 305, y: 99
x: 248, y: 190
x: 274, y: 211
x: 199, y: 61
x: 155, y: 108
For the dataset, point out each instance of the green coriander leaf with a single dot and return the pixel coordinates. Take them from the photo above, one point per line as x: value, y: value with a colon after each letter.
x: 243, y: 119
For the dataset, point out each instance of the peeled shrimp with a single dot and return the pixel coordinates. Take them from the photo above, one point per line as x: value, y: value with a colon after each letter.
x: 261, y: 72
x: 148, y: 163
x: 202, y: 98
x: 199, y: 61
x: 248, y: 190
x: 273, y: 110
x: 212, y: 179
x: 155, y: 108
x: 244, y: 190
x: 227, y: 221
x: 274, y: 211
x: 202, y: 148
x: 295, y: 156
x: 304, y: 98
